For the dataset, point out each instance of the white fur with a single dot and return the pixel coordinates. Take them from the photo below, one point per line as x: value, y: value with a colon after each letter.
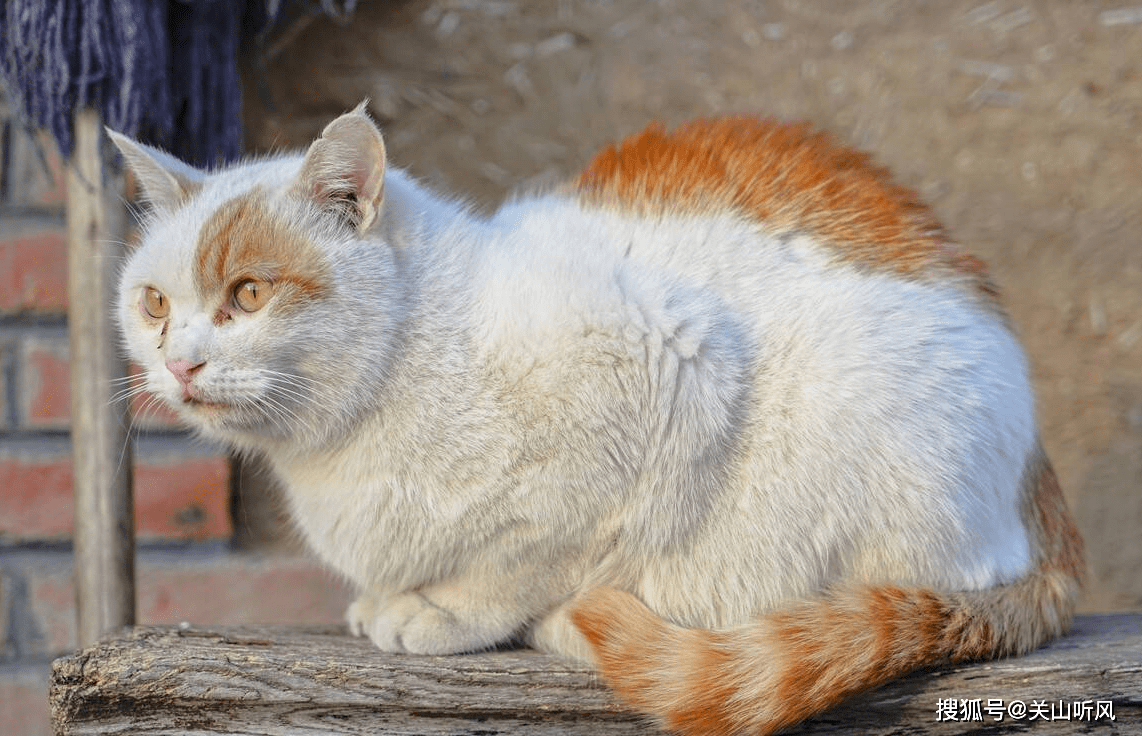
x: 496, y: 414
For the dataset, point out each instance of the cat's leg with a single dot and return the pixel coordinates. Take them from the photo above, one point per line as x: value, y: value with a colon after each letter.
x: 447, y: 618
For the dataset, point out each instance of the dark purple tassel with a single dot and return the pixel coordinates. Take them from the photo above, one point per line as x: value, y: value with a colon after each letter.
x: 162, y: 70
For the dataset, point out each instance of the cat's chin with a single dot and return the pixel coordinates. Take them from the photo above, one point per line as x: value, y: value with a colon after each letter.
x: 201, y: 413
x: 229, y: 423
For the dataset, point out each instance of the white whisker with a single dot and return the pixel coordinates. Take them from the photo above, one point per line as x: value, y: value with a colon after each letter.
x: 128, y: 393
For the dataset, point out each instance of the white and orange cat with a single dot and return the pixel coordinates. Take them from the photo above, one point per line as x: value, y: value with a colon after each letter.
x: 728, y: 415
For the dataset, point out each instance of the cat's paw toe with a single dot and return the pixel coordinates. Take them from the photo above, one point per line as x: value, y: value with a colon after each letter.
x: 430, y: 629
x: 406, y: 623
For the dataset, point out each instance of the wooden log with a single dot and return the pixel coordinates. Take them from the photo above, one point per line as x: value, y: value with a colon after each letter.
x: 101, y: 451
x: 284, y: 681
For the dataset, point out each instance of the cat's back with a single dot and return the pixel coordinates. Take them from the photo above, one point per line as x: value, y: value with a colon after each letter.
x: 789, y: 184
x: 768, y: 240
x: 767, y: 220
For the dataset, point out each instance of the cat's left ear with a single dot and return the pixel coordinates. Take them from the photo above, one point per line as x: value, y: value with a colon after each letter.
x: 344, y: 169
x: 163, y: 180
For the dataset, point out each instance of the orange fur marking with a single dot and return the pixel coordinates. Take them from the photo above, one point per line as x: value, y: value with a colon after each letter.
x: 692, y: 673
x: 1046, y: 514
x: 789, y: 179
x: 851, y: 641
x: 244, y: 239
x: 596, y: 619
x: 706, y: 709
x: 1057, y: 545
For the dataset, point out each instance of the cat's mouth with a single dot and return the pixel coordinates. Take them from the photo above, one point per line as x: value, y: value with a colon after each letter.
x: 192, y: 396
x: 202, y: 403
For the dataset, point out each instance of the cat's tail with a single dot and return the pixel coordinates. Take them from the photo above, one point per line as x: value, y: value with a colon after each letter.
x: 804, y: 658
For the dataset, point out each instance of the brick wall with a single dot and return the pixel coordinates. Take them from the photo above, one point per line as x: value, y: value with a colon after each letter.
x: 208, y: 552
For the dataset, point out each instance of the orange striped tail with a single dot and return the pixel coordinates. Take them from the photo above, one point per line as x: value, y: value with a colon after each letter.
x: 807, y: 657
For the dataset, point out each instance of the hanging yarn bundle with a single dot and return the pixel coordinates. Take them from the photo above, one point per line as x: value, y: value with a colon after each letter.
x: 162, y: 70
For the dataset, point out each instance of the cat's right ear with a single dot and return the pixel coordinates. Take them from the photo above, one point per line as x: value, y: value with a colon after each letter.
x: 344, y: 169
x: 164, y: 181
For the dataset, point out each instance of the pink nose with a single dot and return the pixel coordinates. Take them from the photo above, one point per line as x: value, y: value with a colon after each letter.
x: 184, y: 370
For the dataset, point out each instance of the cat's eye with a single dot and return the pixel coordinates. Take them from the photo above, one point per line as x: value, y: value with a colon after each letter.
x: 252, y: 294
x: 155, y: 303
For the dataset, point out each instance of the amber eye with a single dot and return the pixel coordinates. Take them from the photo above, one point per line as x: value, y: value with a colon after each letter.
x: 252, y: 294
x: 155, y: 303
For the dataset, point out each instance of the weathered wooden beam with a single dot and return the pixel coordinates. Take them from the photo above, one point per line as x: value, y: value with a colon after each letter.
x: 101, y: 452
x: 283, y: 681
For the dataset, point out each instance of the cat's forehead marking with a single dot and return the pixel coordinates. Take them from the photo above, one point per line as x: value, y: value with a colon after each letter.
x: 245, y: 237
x: 787, y: 178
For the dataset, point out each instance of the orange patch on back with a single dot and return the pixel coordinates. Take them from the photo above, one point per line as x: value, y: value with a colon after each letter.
x: 791, y: 180
x: 245, y: 239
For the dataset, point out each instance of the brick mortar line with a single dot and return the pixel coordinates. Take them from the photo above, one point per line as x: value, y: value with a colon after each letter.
x: 23, y: 320
x: 17, y: 222
x: 11, y: 398
x: 7, y: 123
x: 49, y: 553
x: 23, y: 631
x: 149, y: 443
x: 44, y: 327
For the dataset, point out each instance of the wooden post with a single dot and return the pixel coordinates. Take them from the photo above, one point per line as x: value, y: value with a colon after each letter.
x: 101, y: 453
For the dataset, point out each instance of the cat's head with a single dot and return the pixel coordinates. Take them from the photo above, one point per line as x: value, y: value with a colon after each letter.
x: 261, y: 300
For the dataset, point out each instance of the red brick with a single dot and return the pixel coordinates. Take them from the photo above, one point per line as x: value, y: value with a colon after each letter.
x: 45, y: 383
x: 33, y: 271
x: 24, y: 701
x: 37, y: 498
x: 51, y: 605
x: 175, y: 498
x: 242, y: 590
x: 183, y: 498
x: 201, y: 589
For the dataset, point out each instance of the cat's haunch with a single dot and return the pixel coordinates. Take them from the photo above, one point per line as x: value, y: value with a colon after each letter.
x: 729, y: 415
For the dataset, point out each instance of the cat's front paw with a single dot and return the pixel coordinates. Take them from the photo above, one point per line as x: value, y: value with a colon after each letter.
x: 412, y: 623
